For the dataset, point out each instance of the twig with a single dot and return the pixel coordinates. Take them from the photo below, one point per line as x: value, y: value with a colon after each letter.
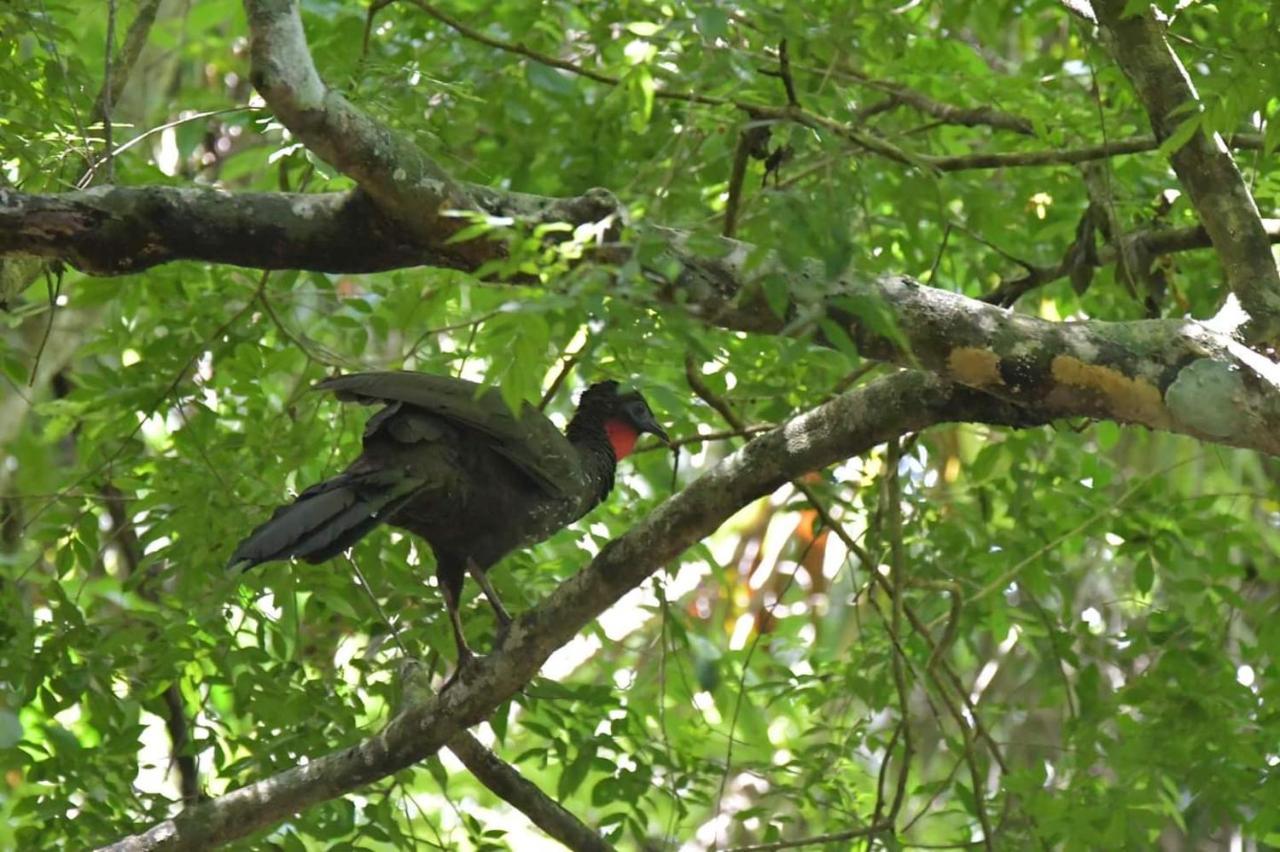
x: 391, y: 629
x: 312, y: 353
x: 699, y: 386
x: 893, y: 512
x: 742, y: 680
x: 55, y: 292
x: 816, y: 840
x: 751, y: 139
x: 942, y: 249
x: 107, y: 100
x: 87, y: 177
x: 938, y: 670
x: 784, y: 70
x: 119, y: 68
x: 723, y: 435
x: 504, y: 781
x: 507, y: 784
x: 443, y: 329
x: 552, y: 61
x: 374, y: 8
x: 567, y: 363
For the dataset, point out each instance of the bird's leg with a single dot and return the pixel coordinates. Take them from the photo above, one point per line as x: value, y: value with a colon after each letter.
x: 480, y: 576
x: 500, y: 612
x: 451, y: 588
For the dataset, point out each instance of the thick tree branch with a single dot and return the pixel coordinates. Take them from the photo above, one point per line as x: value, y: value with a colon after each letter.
x: 1174, y: 375
x: 114, y: 230
x: 407, y: 185
x: 1140, y: 372
x: 1203, y: 163
x: 847, y: 425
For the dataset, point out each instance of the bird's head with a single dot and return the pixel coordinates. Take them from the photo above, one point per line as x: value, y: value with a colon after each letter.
x: 622, y: 412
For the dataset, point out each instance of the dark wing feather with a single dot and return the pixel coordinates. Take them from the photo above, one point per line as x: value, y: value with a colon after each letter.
x: 531, y: 442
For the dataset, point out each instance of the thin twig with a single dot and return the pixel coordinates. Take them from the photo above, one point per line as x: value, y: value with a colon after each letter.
x: 723, y: 435
x: 374, y: 8
x: 55, y: 293
x: 893, y: 512
x: 505, y: 781
x: 88, y: 176
x: 552, y: 61
x: 107, y: 100
x: 392, y: 630
x: 784, y: 70
x: 567, y: 363
x: 816, y: 840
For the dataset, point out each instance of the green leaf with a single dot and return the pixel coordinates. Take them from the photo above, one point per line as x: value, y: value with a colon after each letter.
x: 576, y: 772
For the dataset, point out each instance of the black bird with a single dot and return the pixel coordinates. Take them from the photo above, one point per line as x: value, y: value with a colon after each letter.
x: 447, y: 459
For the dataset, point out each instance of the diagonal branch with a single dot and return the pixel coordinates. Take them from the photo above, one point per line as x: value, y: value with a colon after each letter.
x: 1203, y: 162
x: 522, y: 794
x: 847, y: 425
x: 404, y: 181
x: 122, y: 66
x: 500, y: 777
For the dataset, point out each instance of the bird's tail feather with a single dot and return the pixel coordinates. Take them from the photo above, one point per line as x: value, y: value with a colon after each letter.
x: 325, y: 519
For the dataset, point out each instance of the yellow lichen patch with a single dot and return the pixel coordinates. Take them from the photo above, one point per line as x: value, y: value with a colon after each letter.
x: 975, y: 367
x: 1133, y: 400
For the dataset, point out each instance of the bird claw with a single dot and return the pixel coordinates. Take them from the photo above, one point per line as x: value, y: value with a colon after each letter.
x: 500, y: 634
x: 466, y: 662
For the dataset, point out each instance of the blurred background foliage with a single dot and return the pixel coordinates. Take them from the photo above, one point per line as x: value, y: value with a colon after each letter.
x: 1101, y: 668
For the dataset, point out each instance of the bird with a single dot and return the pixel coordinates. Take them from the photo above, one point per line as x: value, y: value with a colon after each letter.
x: 449, y: 461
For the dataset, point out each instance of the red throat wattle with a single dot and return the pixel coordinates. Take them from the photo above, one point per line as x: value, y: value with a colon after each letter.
x: 622, y: 436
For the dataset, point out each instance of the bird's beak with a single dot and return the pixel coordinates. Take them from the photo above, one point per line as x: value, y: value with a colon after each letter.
x: 650, y: 425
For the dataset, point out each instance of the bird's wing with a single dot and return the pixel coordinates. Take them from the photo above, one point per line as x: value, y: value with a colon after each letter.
x: 529, y: 441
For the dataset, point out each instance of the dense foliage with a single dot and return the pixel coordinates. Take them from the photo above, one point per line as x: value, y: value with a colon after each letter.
x: 1098, y: 664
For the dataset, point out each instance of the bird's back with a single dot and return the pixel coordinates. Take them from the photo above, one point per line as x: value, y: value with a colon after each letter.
x: 474, y: 503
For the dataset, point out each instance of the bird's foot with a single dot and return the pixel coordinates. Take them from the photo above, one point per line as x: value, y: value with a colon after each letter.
x: 466, y: 662
x: 500, y: 634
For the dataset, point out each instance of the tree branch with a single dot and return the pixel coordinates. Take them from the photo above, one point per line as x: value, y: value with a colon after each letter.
x: 847, y: 425
x: 982, y: 116
x: 116, y: 230
x: 500, y: 777
x: 1203, y: 163
x: 1175, y: 375
x: 523, y: 795
x: 1144, y: 245
x: 1131, y: 372
x: 407, y: 185
x: 122, y: 66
